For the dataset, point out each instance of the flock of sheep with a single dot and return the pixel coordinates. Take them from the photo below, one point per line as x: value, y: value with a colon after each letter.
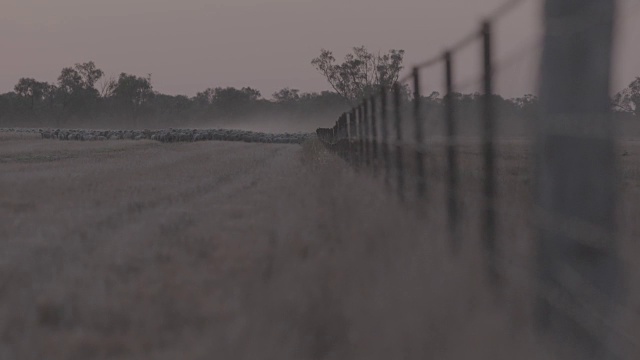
x: 168, y: 135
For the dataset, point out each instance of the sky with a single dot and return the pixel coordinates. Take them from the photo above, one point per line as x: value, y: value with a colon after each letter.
x: 191, y: 45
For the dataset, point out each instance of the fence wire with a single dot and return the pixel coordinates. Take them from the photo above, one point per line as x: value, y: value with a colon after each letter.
x: 417, y: 139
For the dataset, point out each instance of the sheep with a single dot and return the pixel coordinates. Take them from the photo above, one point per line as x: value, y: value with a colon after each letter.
x: 173, y: 135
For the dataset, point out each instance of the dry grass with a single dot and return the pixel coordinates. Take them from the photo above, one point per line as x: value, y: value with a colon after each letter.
x: 247, y: 251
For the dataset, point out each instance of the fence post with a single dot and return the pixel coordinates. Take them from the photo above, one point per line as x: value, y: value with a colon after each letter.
x: 421, y: 186
x: 341, y: 137
x: 333, y: 135
x: 488, y: 154
x: 384, y: 127
x: 374, y: 133
x: 399, y: 151
x: 367, y: 132
x: 350, y: 134
x: 336, y: 132
x: 452, y: 180
x: 578, y: 267
x: 360, y: 136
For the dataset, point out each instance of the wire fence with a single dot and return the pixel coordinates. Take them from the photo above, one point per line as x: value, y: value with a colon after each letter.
x: 414, y: 141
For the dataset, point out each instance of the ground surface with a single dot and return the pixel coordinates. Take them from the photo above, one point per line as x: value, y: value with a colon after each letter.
x: 217, y: 250
x: 122, y: 247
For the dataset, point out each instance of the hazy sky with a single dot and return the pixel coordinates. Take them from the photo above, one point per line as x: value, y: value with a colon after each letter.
x: 189, y: 45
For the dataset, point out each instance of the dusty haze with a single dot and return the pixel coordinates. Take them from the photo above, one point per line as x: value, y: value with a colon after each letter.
x: 190, y: 45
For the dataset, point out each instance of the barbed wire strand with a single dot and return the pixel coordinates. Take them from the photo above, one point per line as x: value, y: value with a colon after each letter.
x: 500, y: 12
x: 506, y: 63
x: 571, y: 227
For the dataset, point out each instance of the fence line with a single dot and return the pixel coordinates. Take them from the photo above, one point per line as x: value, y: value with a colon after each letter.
x: 488, y: 152
x: 421, y: 185
x: 399, y: 149
x: 402, y: 162
x: 452, y: 169
x: 368, y: 143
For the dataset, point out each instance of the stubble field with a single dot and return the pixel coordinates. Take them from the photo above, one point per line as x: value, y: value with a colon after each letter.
x: 218, y: 250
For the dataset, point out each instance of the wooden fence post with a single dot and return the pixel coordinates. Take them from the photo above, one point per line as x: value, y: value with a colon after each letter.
x: 578, y: 265
x: 399, y: 146
x: 421, y: 182
x: 488, y: 154
x: 452, y: 169
x: 384, y: 127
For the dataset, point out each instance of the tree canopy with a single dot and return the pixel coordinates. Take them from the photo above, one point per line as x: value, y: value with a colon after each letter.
x: 361, y: 73
x: 33, y: 90
x: 133, y: 90
x: 287, y: 95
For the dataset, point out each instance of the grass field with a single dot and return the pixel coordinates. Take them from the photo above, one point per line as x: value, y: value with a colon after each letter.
x: 141, y: 250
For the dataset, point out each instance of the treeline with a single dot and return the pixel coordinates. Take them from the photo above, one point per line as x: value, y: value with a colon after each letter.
x: 84, y: 97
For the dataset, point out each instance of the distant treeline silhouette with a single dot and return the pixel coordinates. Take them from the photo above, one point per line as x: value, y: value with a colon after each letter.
x: 83, y: 96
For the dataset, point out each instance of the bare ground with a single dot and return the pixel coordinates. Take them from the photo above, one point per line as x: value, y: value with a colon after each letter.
x: 138, y: 250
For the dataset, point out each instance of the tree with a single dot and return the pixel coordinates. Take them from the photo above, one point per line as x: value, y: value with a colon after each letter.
x: 362, y: 73
x: 32, y: 90
x: 232, y: 101
x: 80, y: 77
x: 204, y: 98
x: 628, y: 100
x: 69, y: 81
x: 107, y: 87
x: 89, y: 74
x: 231, y: 94
x: 287, y: 95
x: 132, y: 91
x: 49, y: 95
x: 76, y: 85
